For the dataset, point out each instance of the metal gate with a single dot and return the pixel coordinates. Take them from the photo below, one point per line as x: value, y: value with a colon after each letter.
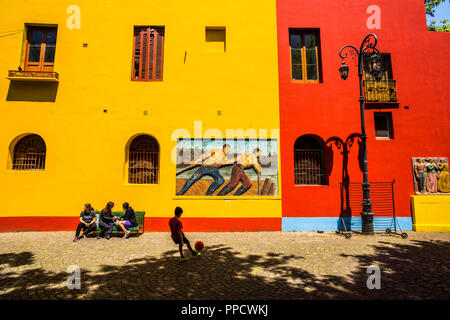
x: 383, y: 205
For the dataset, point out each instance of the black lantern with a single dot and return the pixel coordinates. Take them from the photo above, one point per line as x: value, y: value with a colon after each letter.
x: 343, y: 70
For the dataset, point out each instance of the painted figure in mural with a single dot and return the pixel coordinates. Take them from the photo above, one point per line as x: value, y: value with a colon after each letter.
x: 432, y: 176
x: 243, y: 161
x: 444, y: 179
x: 209, y: 162
x: 424, y: 161
x: 419, y: 170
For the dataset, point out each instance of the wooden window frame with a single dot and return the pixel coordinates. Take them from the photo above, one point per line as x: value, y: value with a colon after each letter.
x: 390, y: 125
x: 150, y: 30
x: 41, y: 65
x: 302, y: 33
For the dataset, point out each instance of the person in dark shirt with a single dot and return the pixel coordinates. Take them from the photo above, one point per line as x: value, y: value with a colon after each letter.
x: 128, y: 220
x: 87, y: 222
x: 177, y: 234
x: 106, y: 221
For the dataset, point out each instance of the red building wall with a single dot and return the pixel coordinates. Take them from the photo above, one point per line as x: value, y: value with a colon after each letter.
x: 421, y: 120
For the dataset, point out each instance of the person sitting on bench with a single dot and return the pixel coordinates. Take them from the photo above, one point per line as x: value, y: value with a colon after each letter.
x: 128, y: 220
x: 87, y: 222
x: 106, y: 221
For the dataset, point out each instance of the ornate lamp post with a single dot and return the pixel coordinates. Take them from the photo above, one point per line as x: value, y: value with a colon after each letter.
x: 368, y: 46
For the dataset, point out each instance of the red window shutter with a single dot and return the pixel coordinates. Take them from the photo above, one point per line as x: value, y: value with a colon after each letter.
x: 144, y: 73
x: 159, y: 54
x: 151, y: 54
x: 137, y: 54
x: 148, y: 53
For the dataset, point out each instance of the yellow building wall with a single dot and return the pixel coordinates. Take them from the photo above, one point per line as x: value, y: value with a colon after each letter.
x: 431, y: 213
x: 86, y: 156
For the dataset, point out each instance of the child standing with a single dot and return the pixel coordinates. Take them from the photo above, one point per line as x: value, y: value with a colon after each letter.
x: 178, y: 236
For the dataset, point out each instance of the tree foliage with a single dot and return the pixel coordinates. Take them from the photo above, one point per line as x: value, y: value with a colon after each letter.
x: 430, y: 9
x: 443, y: 26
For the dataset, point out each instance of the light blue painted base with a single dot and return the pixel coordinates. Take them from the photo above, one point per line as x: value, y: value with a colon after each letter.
x: 335, y: 223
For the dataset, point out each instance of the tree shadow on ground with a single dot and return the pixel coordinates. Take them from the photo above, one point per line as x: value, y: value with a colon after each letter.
x: 28, y: 282
x: 417, y: 270
x: 414, y: 270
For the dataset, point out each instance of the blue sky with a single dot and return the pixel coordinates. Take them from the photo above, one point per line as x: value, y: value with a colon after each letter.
x: 442, y: 12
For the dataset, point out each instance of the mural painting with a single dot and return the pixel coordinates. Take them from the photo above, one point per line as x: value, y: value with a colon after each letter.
x: 240, y: 167
x: 431, y: 175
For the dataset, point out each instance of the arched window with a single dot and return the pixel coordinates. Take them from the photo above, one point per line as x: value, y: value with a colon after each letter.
x: 308, y: 161
x: 29, y: 153
x: 143, y: 161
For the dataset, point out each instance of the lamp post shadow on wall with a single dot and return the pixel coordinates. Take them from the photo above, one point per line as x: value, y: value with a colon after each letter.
x: 367, y: 54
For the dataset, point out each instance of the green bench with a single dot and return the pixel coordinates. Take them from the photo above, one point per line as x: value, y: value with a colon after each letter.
x: 139, y: 219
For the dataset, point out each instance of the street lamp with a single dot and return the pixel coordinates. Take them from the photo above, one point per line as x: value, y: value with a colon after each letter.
x: 368, y: 46
x: 343, y: 70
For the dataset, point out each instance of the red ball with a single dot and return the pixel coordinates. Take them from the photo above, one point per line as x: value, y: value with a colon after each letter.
x: 199, y: 246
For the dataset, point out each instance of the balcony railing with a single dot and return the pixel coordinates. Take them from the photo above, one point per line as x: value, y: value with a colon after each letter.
x: 380, y: 91
x: 33, y: 75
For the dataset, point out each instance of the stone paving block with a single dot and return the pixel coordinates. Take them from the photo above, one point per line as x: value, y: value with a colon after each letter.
x: 241, y: 265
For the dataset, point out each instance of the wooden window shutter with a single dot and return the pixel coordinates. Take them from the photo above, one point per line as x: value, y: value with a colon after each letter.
x: 144, y: 62
x: 137, y: 53
x: 159, y: 35
x: 148, y: 53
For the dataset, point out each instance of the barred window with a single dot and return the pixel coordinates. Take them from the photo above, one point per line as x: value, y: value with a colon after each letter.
x: 143, y: 162
x: 29, y: 153
x: 308, y: 161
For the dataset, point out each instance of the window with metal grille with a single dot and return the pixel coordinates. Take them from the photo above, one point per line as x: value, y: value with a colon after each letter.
x: 143, y: 162
x: 29, y: 153
x: 148, y: 53
x: 308, y: 161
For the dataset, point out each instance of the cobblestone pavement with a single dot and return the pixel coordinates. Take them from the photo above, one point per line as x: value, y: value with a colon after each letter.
x: 241, y: 265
